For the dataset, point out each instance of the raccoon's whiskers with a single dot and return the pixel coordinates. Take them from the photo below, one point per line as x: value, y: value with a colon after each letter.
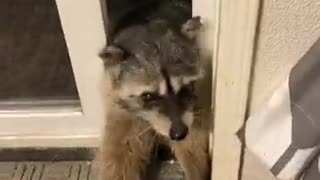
x: 143, y: 132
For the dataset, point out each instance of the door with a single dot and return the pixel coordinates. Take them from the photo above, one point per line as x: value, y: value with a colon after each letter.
x: 50, y: 73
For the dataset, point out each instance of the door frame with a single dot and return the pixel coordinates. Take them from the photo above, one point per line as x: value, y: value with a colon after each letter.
x: 235, y: 41
x: 66, y: 125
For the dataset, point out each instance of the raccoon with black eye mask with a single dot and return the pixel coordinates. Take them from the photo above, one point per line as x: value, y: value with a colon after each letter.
x: 151, y: 65
x: 154, y: 99
x: 173, y: 106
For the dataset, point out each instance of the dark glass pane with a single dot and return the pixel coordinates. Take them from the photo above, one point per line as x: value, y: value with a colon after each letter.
x: 34, y: 60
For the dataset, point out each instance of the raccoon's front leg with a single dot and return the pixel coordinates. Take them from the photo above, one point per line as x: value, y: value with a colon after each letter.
x: 126, y: 150
x: 193, y: 156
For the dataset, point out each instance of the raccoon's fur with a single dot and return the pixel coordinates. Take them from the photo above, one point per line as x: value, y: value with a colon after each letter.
x: 152, y: 64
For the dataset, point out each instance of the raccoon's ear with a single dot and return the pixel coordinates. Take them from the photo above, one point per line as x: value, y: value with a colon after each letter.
x: 111, y: 55
x: 192, y: 27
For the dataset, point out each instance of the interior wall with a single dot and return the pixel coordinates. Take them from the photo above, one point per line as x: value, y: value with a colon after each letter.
x: 287, y: 30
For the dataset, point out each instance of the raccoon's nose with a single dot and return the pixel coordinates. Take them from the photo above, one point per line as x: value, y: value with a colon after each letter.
x: 178, y: 133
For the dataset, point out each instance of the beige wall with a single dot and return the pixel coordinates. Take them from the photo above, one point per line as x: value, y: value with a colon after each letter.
x: 288, y: 28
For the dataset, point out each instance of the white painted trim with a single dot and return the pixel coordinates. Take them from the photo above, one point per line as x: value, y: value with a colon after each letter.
x: 66, y: 141
x: 15, y: 108
x: 84, y: 33
x: 83, y: 27
x: 237, y: 29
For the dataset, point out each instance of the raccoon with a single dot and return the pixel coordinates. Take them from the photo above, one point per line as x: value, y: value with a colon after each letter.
x: 152, y: 65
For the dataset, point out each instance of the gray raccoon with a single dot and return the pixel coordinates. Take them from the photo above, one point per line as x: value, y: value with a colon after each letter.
x: 151, y: 66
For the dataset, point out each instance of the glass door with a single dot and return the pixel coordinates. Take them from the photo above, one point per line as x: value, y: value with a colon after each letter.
x: 50, y: 72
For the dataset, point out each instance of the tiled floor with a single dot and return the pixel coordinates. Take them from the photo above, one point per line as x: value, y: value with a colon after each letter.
x: 79, y: 170
x: 72, y: 170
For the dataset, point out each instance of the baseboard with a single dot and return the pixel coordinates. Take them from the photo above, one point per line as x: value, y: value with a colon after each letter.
x: 47, y: 154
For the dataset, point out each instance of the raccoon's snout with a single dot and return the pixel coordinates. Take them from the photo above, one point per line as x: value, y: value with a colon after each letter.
x: 178, y: 132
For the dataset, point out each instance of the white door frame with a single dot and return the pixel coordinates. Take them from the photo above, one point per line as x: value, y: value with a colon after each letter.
x: 235, y: 40
x: 66, y: 126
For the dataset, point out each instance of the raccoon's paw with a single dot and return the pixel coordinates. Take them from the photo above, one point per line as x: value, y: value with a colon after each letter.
x: 120, y: 171
x: 121, y: 168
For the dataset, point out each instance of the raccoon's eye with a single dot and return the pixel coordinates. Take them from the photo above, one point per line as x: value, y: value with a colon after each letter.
x: 149, y: 97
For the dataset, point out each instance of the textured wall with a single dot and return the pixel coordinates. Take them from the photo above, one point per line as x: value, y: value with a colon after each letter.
x: 288, y: 29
